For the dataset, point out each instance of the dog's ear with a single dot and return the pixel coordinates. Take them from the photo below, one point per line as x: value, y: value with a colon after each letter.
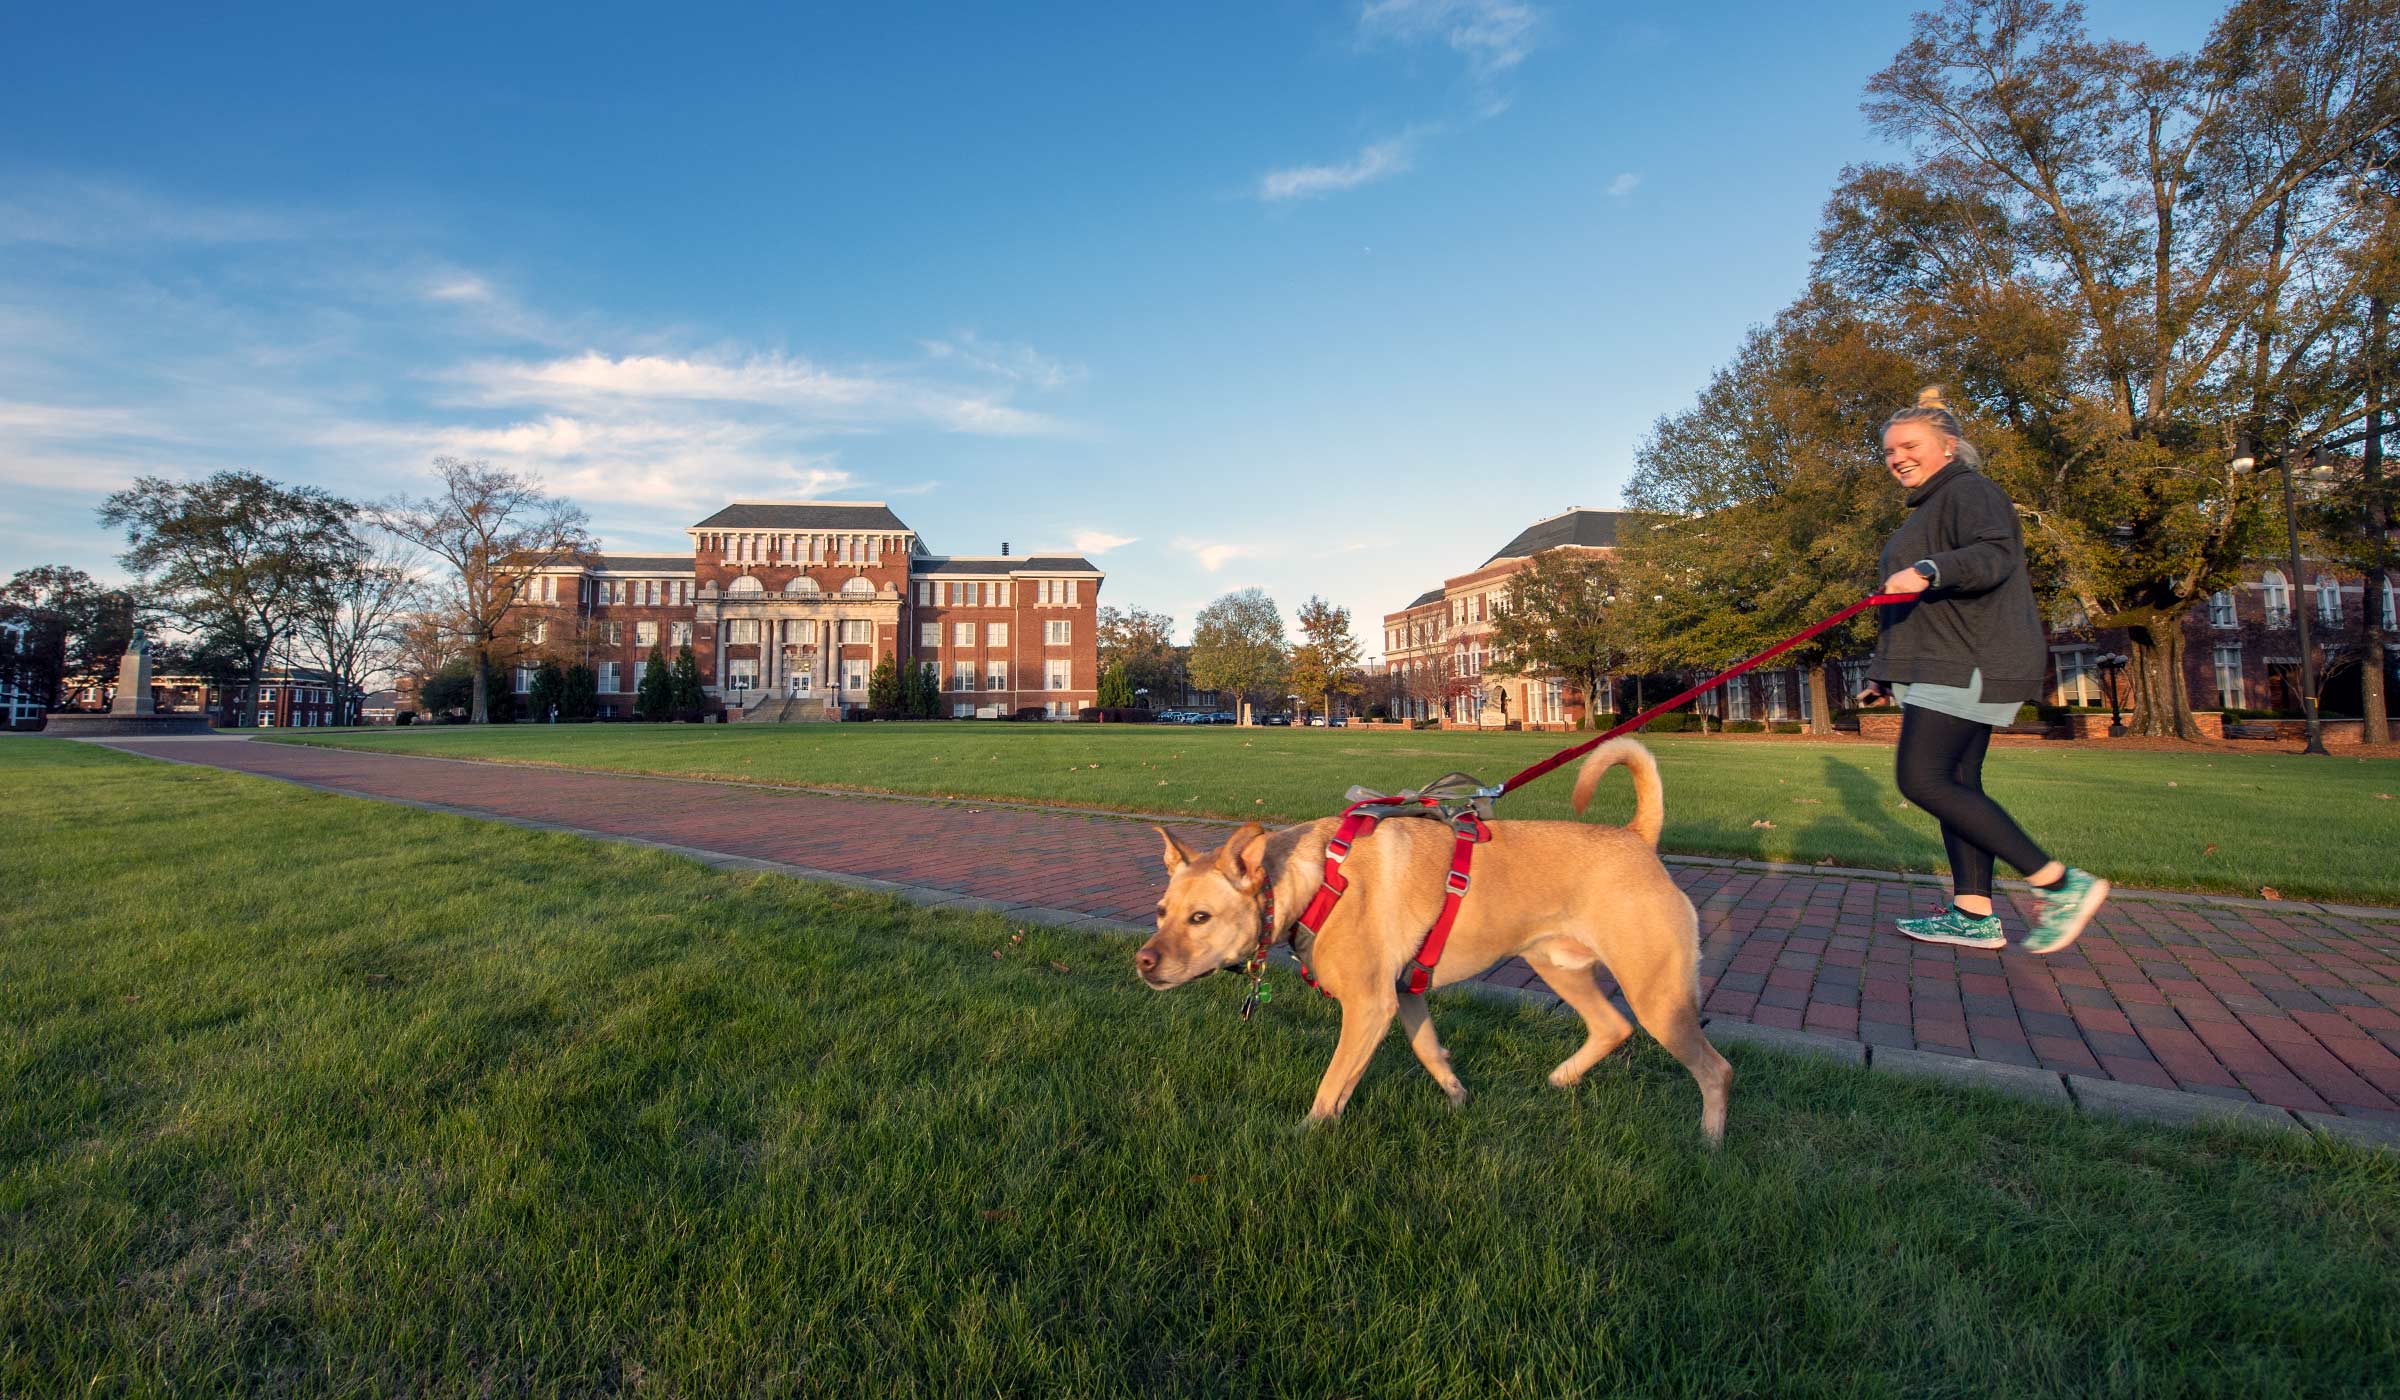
x: 1244, y: 857
x: 1178, y: 854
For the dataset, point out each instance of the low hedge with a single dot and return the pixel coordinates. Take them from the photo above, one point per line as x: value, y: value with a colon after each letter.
x: 1744, y: 726
x: 1675, y: 722
x: 1786, y: 726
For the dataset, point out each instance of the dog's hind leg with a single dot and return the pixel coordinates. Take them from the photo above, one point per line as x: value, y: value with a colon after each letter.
x: 1671, y: 1015
x: 1577, y: 987
x: 1364, y: 1020
x: 1419, y: 1024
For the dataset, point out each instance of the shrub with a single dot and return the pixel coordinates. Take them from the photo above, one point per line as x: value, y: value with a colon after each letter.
x: 2031, y: 714
x: 1115, y: 714
x: 654, y: 696
x: 684, y: 686
x: 405, y: 717
x: 1673, y: 722
x: 1424, y: 724
x: 1745, y: 726
x: 1786, y: 726
x: 1029, y: 714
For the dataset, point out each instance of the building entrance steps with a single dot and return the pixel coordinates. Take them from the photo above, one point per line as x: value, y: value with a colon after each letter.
x: 2289, y: 1005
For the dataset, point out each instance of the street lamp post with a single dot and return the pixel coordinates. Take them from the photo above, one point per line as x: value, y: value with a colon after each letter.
x: 1295, y: 712
x: 1141, y: 695
x: 2112, y: 666
x: 2298, y: 614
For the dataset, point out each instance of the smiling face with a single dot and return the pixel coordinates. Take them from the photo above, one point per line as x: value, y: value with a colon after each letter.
x: 1915, y: 451
x: 1208, y: 918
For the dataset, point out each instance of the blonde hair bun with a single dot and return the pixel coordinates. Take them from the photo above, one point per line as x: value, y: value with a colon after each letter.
x: 1931, y: 397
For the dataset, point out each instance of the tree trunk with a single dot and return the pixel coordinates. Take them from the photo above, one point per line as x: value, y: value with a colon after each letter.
x: 258, y: 672
x: 1820, y: 701
x: 479, y: 713
x: 2379, y: 527
x: 2161, y: 707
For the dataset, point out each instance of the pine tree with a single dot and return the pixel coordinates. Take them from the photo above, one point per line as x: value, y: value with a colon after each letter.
x: 884, y: 693
x: 579, y: 698
x: 549, y: 690
x: 690, y: 699
x: 655, y: 699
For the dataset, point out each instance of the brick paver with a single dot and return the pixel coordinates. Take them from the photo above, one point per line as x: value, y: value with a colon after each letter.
x: 2291, y: 1006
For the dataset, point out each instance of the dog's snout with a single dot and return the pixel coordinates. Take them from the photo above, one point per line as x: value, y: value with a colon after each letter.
x: 1146, y: 961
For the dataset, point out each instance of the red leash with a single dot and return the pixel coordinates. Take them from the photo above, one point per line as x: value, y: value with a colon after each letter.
x: 1468, y: 830
x: 1566, y: 756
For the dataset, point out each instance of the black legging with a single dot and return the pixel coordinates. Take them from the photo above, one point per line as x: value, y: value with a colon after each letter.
x: 1941, y: 770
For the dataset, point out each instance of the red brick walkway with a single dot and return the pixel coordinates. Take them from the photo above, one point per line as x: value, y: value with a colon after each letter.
x: 2290, y: 1005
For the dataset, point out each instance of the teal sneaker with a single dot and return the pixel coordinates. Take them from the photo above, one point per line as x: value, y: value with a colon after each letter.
x: 2066, y: 910
x: 1962, y: 930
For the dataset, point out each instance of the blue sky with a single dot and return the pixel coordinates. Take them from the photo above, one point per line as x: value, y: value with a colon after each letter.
x: 1324, y: 298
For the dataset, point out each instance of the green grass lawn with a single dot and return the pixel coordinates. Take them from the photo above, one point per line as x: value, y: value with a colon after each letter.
x: 2232, y: 823
x: 310, y: 1095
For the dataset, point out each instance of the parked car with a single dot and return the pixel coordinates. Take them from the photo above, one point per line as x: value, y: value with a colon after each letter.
x: 1316, y: 721
x: 1282, y: 721
x: 1221, y: 717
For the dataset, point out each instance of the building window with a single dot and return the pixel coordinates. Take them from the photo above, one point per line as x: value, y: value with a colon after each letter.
x: 858, y: 588
x: 2276, y: 594
x: 995, y: 676
x: 745, y: 587
x: 801, y: 586
x: 679, y: 634
x: 924, y: 593
x: 740, y: 631
x: 608, y: 676
x: 854, y: 675
x: 1808, y: 700
x: 739, y: 675
x: 2229, y: 678
x: 1058, y: 634
x: 962, y: 675
x: 1779, y: 695
x: 645, y: 634
x: 524, y: 679
x: 1003, y: 592
x: 1061, y: 676
x: 2329, y: 601
x: 964, y: 709
x: 963, y: 635
x: 1854, y: 680
x: 1737, y: 698
x: 2220, y: 608
x: 929, y: 634
x: 858, y: 632
x: 995, y: 634
x: 2076, y: 678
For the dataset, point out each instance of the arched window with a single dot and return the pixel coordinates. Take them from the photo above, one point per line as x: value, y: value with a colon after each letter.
x: 745, y: 587
x: 803, y: 587
x: 858, y: 588
x: 2276, y: 593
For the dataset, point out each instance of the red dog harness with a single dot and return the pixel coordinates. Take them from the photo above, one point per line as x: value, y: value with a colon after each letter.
x: 1359, y: 821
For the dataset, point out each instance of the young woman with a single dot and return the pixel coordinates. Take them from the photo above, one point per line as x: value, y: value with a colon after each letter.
x: 1959, y: 660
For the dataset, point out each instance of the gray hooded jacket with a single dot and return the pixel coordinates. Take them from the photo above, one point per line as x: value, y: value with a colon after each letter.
x: 1980, y: 611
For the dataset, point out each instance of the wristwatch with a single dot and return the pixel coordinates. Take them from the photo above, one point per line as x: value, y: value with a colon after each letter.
x: 1926, y: 568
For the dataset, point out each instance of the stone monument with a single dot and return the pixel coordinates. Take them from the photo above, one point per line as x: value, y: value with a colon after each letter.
x: 133, y: 680
x: 133, y: 714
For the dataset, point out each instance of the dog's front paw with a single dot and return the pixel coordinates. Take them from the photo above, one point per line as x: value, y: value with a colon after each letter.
x: 1457, y: 1093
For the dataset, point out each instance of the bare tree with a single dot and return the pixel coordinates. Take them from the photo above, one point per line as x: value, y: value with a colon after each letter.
x: 352, y: 617
x: 496, y: 529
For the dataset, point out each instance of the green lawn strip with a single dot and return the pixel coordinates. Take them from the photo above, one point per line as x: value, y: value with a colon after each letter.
x: 2308, y: 828
x: 313, y: 1095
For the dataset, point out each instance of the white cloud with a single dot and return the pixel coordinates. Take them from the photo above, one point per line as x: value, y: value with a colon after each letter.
x: 99, y: 213
x: 776, y: 381
x: 1213, y: 557
x: 1100, y: 541
x: 1623, y: 185
x: 1013, y: 361
x: 1377, y: 162
x: 459, y: 286
x: 1492, y: 35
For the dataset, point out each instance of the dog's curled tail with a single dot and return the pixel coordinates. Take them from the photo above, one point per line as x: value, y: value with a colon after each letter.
x: 1649, y: 795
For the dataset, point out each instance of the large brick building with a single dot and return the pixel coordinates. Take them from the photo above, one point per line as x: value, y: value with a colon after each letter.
x: 2241, y: 648
x: 1438, y: 648
x: 789, y: 606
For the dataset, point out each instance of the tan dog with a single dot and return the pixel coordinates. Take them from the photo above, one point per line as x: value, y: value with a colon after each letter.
x: 1562, y: 895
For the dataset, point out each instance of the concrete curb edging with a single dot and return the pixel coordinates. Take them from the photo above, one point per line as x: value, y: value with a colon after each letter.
x: 2073, y: 1092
